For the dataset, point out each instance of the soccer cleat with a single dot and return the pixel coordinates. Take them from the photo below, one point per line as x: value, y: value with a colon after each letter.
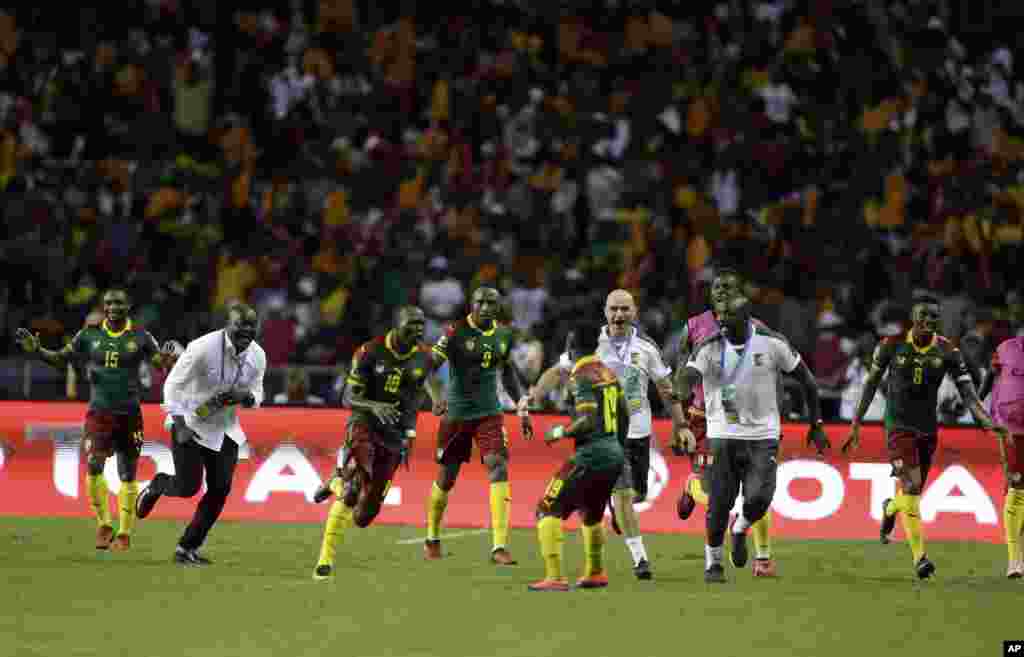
x: 432, y: 550
x: 122, y: 542
x: 738, y: 554
x: 104, y: 536
x: 715, y: 574
x: 764, y: 568
x: 146, y: 501
x: 322, y: 572
x: 686, y: 503
x: 643, y: 570
x: 200, y: 559
x: 324, y: 491
x: 501, y: 557
x: 1015, y: 570
x: 185, y: 557
x: 888, y: 523
x: 595, y: 581
x: 924, y: 568
x: 549, y: 585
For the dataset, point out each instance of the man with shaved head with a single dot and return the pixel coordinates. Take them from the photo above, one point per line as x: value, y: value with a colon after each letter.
x: 636, y: 360
x: 218, y: 372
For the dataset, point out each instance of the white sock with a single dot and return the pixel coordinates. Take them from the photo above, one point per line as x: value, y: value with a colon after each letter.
x: 636, y: 548
x: 741, y: 525
x: 713, y: 555
x: 762, y: 553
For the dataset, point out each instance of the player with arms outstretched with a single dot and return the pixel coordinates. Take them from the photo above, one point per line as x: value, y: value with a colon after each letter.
x: 916, y: 362
x: 586, y: 481
x: 112, y: 353
x: 726, y: 286
x: 476, y: 348
x: 385, y: 386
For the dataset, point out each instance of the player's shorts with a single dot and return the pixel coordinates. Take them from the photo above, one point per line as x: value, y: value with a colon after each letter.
x: 638, y: 465
x: 455, y: 438
x: 107, y: 433
x: 367, y: 449
x: 1015, y: 460
x: 701, y: 456
x: 910, y: 449
x: 577, y: 487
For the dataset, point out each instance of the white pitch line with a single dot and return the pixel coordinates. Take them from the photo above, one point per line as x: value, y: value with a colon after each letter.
x: 473, y: 532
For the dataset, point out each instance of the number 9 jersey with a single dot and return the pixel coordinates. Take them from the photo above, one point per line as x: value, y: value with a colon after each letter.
x: 475, y: 357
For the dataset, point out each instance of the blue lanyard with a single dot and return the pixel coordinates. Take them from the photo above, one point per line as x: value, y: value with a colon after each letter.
x: 727, y: 379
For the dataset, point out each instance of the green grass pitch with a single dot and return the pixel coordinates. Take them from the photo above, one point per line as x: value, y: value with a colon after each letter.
x: 62, y: 598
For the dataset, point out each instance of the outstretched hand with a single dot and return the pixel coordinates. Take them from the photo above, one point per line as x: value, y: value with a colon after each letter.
x: 28, y: 341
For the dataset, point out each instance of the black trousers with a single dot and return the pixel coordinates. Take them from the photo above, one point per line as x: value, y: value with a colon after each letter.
x: 190, y: 459
x: 750, y: 463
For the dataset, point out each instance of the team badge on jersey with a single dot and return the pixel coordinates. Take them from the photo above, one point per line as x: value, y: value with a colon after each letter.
x: 131, y: 346
x: 470, y: 344
x: 96, y: 344
x: 936, y: 362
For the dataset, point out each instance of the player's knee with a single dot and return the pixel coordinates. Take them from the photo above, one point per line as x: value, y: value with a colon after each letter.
x: 497, y: 467
x: 366, y: 514
x: 593, y: 516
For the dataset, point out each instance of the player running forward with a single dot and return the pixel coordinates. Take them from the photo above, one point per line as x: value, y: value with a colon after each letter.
x: 917, y: 362
x: 1005, y: 379
x: 385, y: 385
x: 636, y: 360
x: 739, y: 368
x: 475, y: 348
x: 112, y: 353
x: 727, y: 284
x: 585, y: 482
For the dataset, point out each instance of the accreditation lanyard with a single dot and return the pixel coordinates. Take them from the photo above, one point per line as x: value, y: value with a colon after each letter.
x: 729, y: 378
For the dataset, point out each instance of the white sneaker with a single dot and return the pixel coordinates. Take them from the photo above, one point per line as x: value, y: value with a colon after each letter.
x: 1016, y: 569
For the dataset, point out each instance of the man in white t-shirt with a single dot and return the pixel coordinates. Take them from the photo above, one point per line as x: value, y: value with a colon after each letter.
x: 636, y: 360
x: 740, y: 369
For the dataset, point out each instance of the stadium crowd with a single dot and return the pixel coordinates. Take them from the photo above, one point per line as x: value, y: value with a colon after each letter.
x: 329, y: 161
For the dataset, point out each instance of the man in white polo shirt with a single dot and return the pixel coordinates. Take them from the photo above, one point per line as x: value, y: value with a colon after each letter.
x: 740, y: 368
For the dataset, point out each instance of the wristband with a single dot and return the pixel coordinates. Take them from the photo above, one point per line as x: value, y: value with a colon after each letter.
x: 558, y: 431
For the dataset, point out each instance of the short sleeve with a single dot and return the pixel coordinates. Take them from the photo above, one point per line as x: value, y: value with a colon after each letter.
x: 443, y: 343
x: 699, y: 359
x: 957, y: 368
x: 79, y: 344
x: 882, y: 356
x: 362, y: 367
x: 150, y: 347
x: 786, y: 356
x: 657, y: 367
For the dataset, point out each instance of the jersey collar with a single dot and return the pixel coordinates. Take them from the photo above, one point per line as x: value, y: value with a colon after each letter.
x: 389, y: 342
x: 924, y: 349
x: 127, y: 327
x: 586, y: 360
x: 489, y: 332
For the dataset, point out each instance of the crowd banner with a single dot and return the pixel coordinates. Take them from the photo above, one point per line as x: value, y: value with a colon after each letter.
x: 291, y: 450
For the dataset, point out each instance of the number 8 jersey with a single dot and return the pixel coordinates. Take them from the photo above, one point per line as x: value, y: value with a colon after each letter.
x: 475, y: 356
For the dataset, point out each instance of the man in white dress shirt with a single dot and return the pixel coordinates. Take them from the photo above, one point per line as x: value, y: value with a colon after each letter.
x: 218, y: 372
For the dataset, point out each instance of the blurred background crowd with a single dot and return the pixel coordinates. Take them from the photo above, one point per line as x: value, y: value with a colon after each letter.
x: 328, y: 161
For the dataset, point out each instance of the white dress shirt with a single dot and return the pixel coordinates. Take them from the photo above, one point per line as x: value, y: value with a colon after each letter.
x: 211, y: 365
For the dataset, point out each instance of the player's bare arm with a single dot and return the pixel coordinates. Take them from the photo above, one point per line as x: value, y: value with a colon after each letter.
x: 167, y: 354
x: 683, y: 441
x: 682, y: 359
x: 31, y: 344
x: 816, y: 434
x: 514, y: 386
x: 552, y: 378
x: 879, y: 364
x: 988, y: 380
x: 667, y: 393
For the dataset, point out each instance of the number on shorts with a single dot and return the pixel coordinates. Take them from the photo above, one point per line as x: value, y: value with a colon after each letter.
x: 111, y: 358
x: 553, y: 489
x: 611, y: 409
x: 918, y: 375
x: 394, y: 381
x: 137, y: 437
x: 488, y: 354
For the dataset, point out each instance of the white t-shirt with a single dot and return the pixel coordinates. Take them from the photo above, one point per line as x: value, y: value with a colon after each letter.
x: 767, y: 354
x: 636, y: 362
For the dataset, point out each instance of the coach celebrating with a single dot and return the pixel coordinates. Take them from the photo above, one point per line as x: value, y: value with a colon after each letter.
x: 217, y: 372
x: 739, y: 367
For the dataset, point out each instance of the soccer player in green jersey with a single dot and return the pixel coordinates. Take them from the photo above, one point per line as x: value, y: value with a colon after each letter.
x: 385, y: 387
x: 475, y: 348
x: 112, y: 353
x: 585, y: 482
x: 916, y: 362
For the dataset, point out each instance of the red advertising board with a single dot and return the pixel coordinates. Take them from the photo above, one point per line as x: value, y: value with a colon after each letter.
x: 291, y: 449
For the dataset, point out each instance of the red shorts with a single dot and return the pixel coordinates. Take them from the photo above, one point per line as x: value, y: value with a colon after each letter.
x: 909, y: 449
x: 377, y: 462
x: 578, y: 488
x: 107, y: 433
x: 455, y: 438
x: 701, y: 457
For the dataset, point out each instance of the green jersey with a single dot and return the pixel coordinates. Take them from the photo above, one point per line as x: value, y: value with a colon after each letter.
x: 380, y: 373
x: 475, y: 358
x: 594, y: 387
x: 915, y: 375
x: 112, y: 361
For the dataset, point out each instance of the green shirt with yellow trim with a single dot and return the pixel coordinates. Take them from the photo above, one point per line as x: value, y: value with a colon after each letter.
x: 381, y: 373
x: 594, y: 387
x: 112, y: 361
x: 475, y: 357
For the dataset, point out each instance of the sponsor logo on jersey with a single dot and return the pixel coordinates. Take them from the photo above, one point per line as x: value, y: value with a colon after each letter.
x: 936, y: 362
x: 96, y: 344
x: 131, y: 346
x: 470, y: 344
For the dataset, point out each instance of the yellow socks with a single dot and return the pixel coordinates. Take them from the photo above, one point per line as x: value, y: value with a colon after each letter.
x: 339, y: 518
x: 436, y: 504
x: 909, y: 507
x: 1013, y: 522
x: 761, y: 531
x: 96, y: 487
x: 696, y: 490
x: 501, y: 504
x: 549, y: 532
x: 126, y: 506
x: 593, y: 548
